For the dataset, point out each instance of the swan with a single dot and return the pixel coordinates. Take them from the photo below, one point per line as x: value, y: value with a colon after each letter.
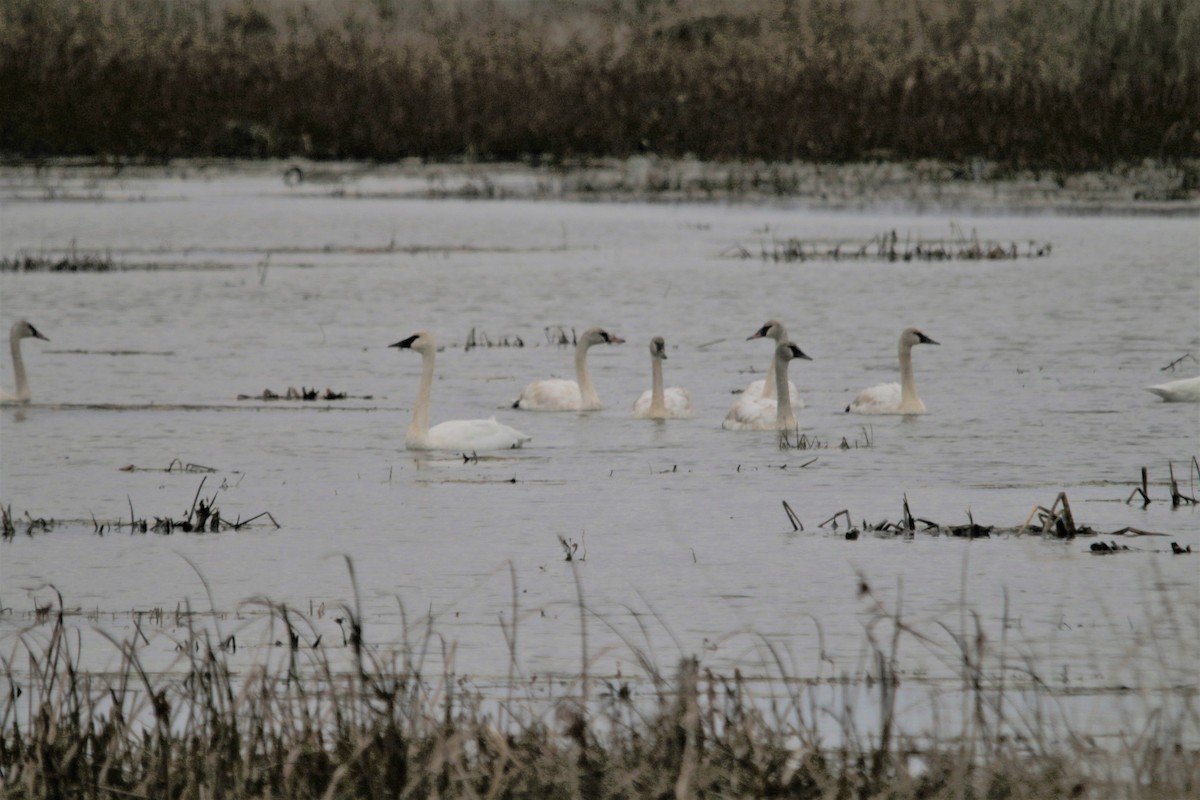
x: 895, y: 398
x: 765, y: 387
x: 20, y: 330
x: 771, y: 414
x: 758, y: 398
x: 467, y: 435
x: 674, y: 402
x: 1185, y: 390
x: 557, y: 394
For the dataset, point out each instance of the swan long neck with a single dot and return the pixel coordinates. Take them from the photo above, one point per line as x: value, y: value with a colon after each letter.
x: 908, y: 384
x: 420, y: 419
x: 14, y: 344
x: 587, y: 392
x: 784, y: 418
x: 658, y: 403
x: 778, y: 335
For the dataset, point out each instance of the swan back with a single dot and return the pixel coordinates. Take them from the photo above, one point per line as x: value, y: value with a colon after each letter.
x: 1185, y: 390
x: 471, y: 435
x: 557, y: 394
x: 21, y: 329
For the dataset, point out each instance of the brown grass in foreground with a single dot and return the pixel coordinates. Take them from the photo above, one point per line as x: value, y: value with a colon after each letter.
x: 296, y: 726
x: 1068, y: 84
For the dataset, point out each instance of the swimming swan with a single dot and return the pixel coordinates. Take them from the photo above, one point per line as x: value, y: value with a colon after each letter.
x: 765, y: 387
x: 895, y: 398
x: 557, y: 394
x: 20, y: 330
x: 1185, y: 390
x: 771, y: 414
x: 674, y: 402
x: 758, y: 398
x: 466, y: 435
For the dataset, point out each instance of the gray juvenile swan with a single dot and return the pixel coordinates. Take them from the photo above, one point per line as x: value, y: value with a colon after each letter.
x: 895, y: 398
x: 771, y: 414
x: 466, y: 435
x: 674, y: 402
x: 20, y: 330
x: 557, y: 394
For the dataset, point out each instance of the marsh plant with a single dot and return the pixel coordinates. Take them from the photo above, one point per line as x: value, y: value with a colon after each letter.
x: 315, y: 718
x: 1064, y: 85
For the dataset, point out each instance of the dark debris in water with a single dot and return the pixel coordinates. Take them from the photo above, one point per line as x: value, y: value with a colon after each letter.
x: 1054, y: 523
x: 303, y: 393
x: 889, y: 246
x: 70, y: 262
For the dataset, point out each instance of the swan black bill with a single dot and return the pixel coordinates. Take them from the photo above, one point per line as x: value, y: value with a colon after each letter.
x: 405, y: 343
x: 798, y: 353
x: 925, y: 339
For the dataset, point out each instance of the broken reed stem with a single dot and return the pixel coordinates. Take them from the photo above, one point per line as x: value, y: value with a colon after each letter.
x: 792, y: 518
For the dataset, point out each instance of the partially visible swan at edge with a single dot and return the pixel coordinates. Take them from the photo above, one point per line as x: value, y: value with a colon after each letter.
x: 758, y: 398
x: 771, y: 414
x: 674, y: 402
x: 558, y: 394
x: 1184, y: 390
x: 895, y: 398
x: 467, y: 435
x: 20, y: 330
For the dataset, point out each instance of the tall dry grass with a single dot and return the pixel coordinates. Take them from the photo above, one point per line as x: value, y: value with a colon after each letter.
x: 365, y: 719
x: 1062, y: 83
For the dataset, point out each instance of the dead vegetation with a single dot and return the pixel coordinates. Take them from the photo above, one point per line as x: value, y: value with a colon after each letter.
x: 315, y: 717
x: 304, y: 394
x: 889, y: 246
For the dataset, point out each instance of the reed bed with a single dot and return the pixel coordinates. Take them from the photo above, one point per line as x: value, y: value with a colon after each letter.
x: 1065, y: 85
x: 357, y: 719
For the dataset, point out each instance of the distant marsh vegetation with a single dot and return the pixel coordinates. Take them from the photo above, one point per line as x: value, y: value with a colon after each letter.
x: 1066, y: 84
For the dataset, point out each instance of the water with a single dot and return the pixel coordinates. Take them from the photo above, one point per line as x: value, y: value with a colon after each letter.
x: 681, y: 542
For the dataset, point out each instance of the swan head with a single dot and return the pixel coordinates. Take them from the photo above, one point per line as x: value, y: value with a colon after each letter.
x: 22, y: 329
x: 772, y: 329
x: 788, y: 350
x: 658, y: 348
x: 599, y: 336
x: 421, y: 342
x: 912, y: 336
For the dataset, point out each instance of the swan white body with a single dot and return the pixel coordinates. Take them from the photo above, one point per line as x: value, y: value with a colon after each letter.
x: 895, y: 398
x: 674, y: 402
x: 758, y: 398
x: 1185, y: 390
x: 770, y: 413
x: 466, y: 435
x: 20, y: 330
x: 557, y: 394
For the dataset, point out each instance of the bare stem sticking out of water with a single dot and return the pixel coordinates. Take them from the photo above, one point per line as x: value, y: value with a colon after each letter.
x: 792, y: 518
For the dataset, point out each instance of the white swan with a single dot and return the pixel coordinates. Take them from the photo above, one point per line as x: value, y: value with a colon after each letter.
x: 895, y: 398
x: 20, y: 330
x: 771, y: 414
x: 1184, y: 390
x: 467, y: 435
x: 557, y: 394
x: 758, y: 398
x: 674, y: 402
x: 765, y: 387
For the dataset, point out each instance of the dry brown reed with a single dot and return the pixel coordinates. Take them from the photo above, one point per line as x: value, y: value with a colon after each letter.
x: 1064, y: 85
x: 319, y: 719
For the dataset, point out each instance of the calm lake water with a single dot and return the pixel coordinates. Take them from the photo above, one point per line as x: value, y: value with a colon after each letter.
x: 683, y: 545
